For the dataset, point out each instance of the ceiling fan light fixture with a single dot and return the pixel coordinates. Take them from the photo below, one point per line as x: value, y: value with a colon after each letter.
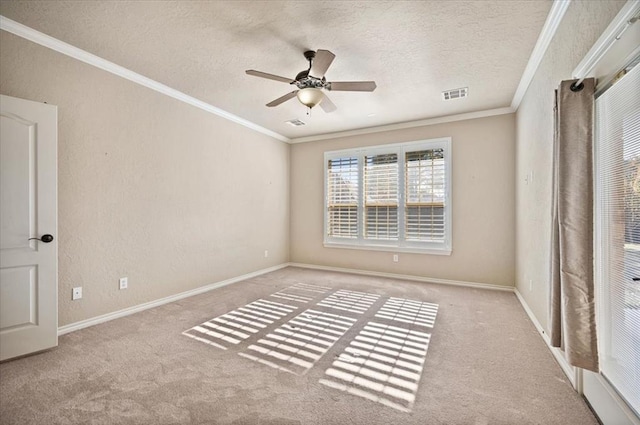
x: 311, y: 83
x: 310, y: 96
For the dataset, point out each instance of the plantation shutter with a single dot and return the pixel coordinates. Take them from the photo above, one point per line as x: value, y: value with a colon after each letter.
x: 425, y: 196
x: 381, y: 196
x: 342, y: 197
x: 392, y: 197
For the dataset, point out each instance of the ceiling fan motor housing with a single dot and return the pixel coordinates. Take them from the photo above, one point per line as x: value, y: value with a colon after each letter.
x: 304, y: 80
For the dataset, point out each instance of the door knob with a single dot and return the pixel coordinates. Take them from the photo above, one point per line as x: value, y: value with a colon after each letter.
x: 45, y: 238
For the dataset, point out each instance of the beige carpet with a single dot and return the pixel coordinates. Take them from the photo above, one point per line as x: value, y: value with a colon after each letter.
x: 329, y: 348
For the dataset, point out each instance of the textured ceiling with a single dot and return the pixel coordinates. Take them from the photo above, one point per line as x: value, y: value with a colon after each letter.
x: 413, y: 50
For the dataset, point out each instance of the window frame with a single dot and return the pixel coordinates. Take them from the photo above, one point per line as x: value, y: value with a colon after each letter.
x: 400, y: 245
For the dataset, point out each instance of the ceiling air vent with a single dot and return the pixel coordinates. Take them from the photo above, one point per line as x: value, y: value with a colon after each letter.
x: 455, y: 93
x: 296, y: 122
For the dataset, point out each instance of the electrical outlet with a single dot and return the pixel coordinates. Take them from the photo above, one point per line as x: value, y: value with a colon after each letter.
x: 395, y: 258
x: 124, y: 282
x: 530, y: 284
x: 76, y: 294
x: 266, y: 253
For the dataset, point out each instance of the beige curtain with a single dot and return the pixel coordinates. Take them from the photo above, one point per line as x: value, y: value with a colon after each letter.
x: 573, y: 325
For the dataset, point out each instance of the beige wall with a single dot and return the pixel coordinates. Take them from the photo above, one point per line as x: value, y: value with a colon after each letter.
x: 149, y: 187
x: 583, y: 23
x: 483, y: 204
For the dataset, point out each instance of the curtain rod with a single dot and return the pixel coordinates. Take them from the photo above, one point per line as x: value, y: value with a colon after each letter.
x: 577, y: 86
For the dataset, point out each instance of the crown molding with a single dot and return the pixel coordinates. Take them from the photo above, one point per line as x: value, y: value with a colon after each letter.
x: 553, y: 20
x: 52, y: 43
x: 403, y: 125
x: 558, y: 9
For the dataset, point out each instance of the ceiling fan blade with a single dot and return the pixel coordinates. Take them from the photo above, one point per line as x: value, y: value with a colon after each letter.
x: 268, y: 76
x: 327, y: 105
x: 352, y: 86
x: 321, y: 63
x: 282, y: 99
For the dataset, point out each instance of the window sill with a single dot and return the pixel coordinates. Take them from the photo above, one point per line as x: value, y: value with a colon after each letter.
x: 387, y: 248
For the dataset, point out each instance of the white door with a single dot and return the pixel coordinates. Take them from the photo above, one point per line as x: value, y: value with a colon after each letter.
x: 28, y: 210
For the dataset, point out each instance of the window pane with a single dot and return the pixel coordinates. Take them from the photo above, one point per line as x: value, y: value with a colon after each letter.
x: 425, y: 189
x: 381, y: 196
x: 342, y: 197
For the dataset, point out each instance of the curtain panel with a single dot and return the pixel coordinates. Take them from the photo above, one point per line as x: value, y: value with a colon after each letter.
x: 572, y: 311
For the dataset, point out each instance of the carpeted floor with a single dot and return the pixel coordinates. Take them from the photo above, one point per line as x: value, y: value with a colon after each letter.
x: 301, y: 346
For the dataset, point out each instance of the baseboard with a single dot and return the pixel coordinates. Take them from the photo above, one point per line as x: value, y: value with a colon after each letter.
x: 141, y: 307
x: 406, y: 277
x: 570, y: 371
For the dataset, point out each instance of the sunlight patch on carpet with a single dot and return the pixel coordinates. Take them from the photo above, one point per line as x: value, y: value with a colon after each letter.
x: 409, y: 311
x: 298, y: 344
x: 383, y: 364
x: 301, y: 292
x: 351, y: 301
x: 239, y: 324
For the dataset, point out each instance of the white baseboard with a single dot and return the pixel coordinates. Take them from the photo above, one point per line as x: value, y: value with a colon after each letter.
x: 571, y: 372
x: 406, y: 277
x: 151, y: 304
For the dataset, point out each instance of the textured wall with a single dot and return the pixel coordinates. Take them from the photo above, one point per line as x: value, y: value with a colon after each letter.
x: 483, y: 204
x: 149, y: 187
x: 583, y: 23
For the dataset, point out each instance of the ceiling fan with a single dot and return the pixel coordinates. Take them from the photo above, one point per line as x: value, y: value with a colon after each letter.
x: 311, y: 82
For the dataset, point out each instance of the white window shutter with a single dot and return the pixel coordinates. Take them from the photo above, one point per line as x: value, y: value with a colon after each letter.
x: 425, y: 195
x: 342, y: 197
x: 381, y: 196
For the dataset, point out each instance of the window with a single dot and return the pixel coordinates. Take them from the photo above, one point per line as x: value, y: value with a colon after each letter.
x: 392, y: 197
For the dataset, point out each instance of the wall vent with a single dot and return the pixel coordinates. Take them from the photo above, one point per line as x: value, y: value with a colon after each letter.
x: 296, y: 122
x: 455, y: 93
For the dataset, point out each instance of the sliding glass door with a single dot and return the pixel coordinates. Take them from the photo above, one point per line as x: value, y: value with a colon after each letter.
x: 617, y: 160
